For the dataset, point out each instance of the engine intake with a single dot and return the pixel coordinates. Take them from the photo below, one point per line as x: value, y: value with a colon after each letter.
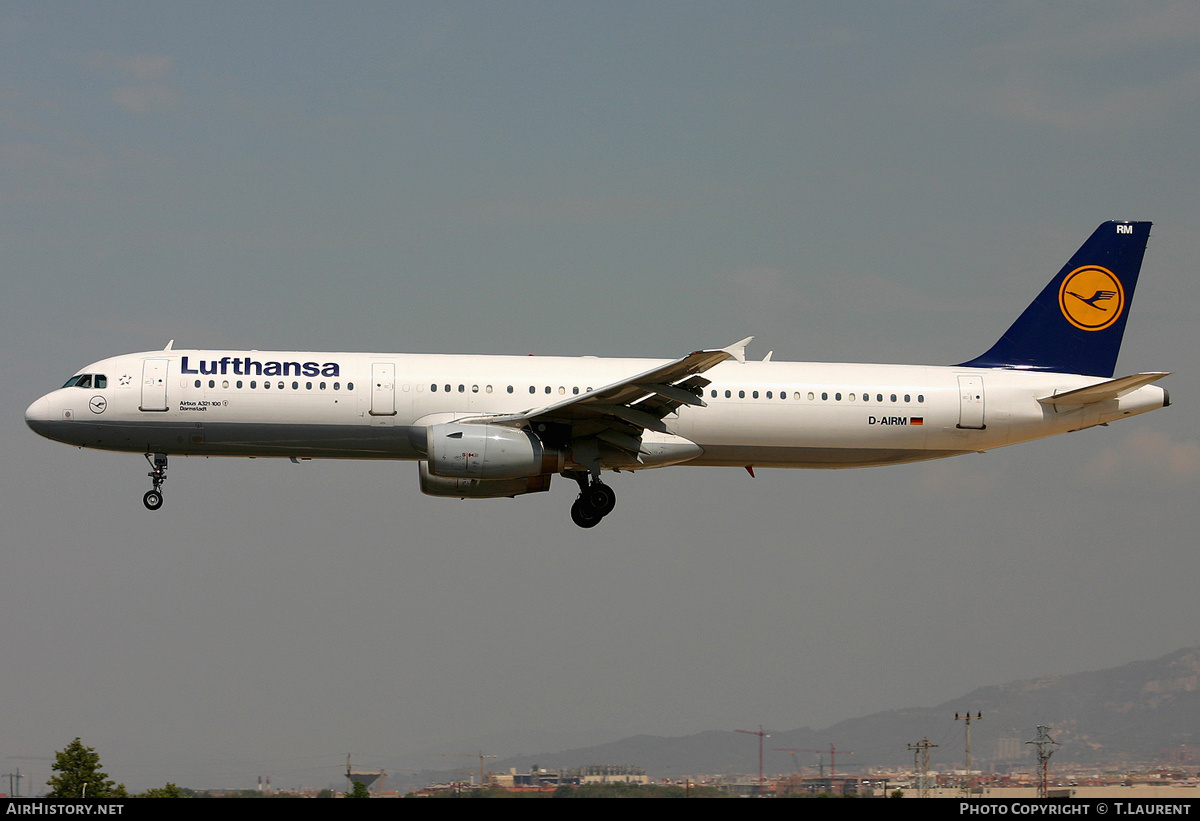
x: 488, y: 452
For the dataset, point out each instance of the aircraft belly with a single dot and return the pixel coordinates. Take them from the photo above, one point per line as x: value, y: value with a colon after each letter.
x: 243, y: 439
x: 308, y: 440
x: 813, y: 457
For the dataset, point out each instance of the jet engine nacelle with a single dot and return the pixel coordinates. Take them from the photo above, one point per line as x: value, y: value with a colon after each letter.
x: 488, y: 452
x: 480, y: 488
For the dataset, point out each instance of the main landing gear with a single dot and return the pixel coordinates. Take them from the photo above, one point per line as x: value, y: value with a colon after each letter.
x: 596, y: 500
x: 158, y: 462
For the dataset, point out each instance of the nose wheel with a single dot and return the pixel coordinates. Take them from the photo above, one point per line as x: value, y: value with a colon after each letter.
x: 158, y: 473
x: 596, y: 500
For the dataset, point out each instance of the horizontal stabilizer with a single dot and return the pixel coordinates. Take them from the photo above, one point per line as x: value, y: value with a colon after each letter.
x: 1112, y: 389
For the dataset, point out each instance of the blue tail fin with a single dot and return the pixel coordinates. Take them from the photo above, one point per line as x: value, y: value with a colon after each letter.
x: 1076, y: 324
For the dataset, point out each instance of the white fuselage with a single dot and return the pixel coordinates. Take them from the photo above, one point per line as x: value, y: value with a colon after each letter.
x: 372, y: 406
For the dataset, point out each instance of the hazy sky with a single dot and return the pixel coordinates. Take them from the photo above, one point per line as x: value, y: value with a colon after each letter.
x: 847, y: 182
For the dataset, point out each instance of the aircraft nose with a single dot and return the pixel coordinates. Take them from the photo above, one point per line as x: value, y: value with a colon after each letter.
x: 37, y: 415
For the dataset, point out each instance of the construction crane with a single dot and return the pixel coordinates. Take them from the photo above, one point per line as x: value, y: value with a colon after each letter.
x: 761, y: 735
x: 832, y: 760
x: 793, y: 751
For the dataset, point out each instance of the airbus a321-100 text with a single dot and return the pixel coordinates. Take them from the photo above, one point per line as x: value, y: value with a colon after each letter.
x: 493, y: 426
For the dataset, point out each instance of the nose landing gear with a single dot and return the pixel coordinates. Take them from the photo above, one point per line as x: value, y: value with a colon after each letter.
x: 158, y: 463
x: 596, y: 500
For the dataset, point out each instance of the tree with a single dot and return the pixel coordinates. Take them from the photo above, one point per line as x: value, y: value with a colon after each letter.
x: 169, y: 791
x: 79, y: 775
x: 359, y: 791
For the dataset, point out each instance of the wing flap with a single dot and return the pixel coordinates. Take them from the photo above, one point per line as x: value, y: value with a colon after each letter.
x: 674, y: 393
x: 622, y: 441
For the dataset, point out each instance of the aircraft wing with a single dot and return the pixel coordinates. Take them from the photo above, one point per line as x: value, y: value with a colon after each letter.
x: 616, y: 415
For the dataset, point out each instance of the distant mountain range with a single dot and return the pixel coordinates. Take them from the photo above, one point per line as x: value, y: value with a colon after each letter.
x: 1137, y: 715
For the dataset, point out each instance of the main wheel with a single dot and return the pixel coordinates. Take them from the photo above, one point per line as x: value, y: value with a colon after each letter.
x: 601, y: 498
x: 152, y: 500
x: 583, y: 515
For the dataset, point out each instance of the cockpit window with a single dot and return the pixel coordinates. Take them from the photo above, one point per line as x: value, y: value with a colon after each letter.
x: 87, y: 380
